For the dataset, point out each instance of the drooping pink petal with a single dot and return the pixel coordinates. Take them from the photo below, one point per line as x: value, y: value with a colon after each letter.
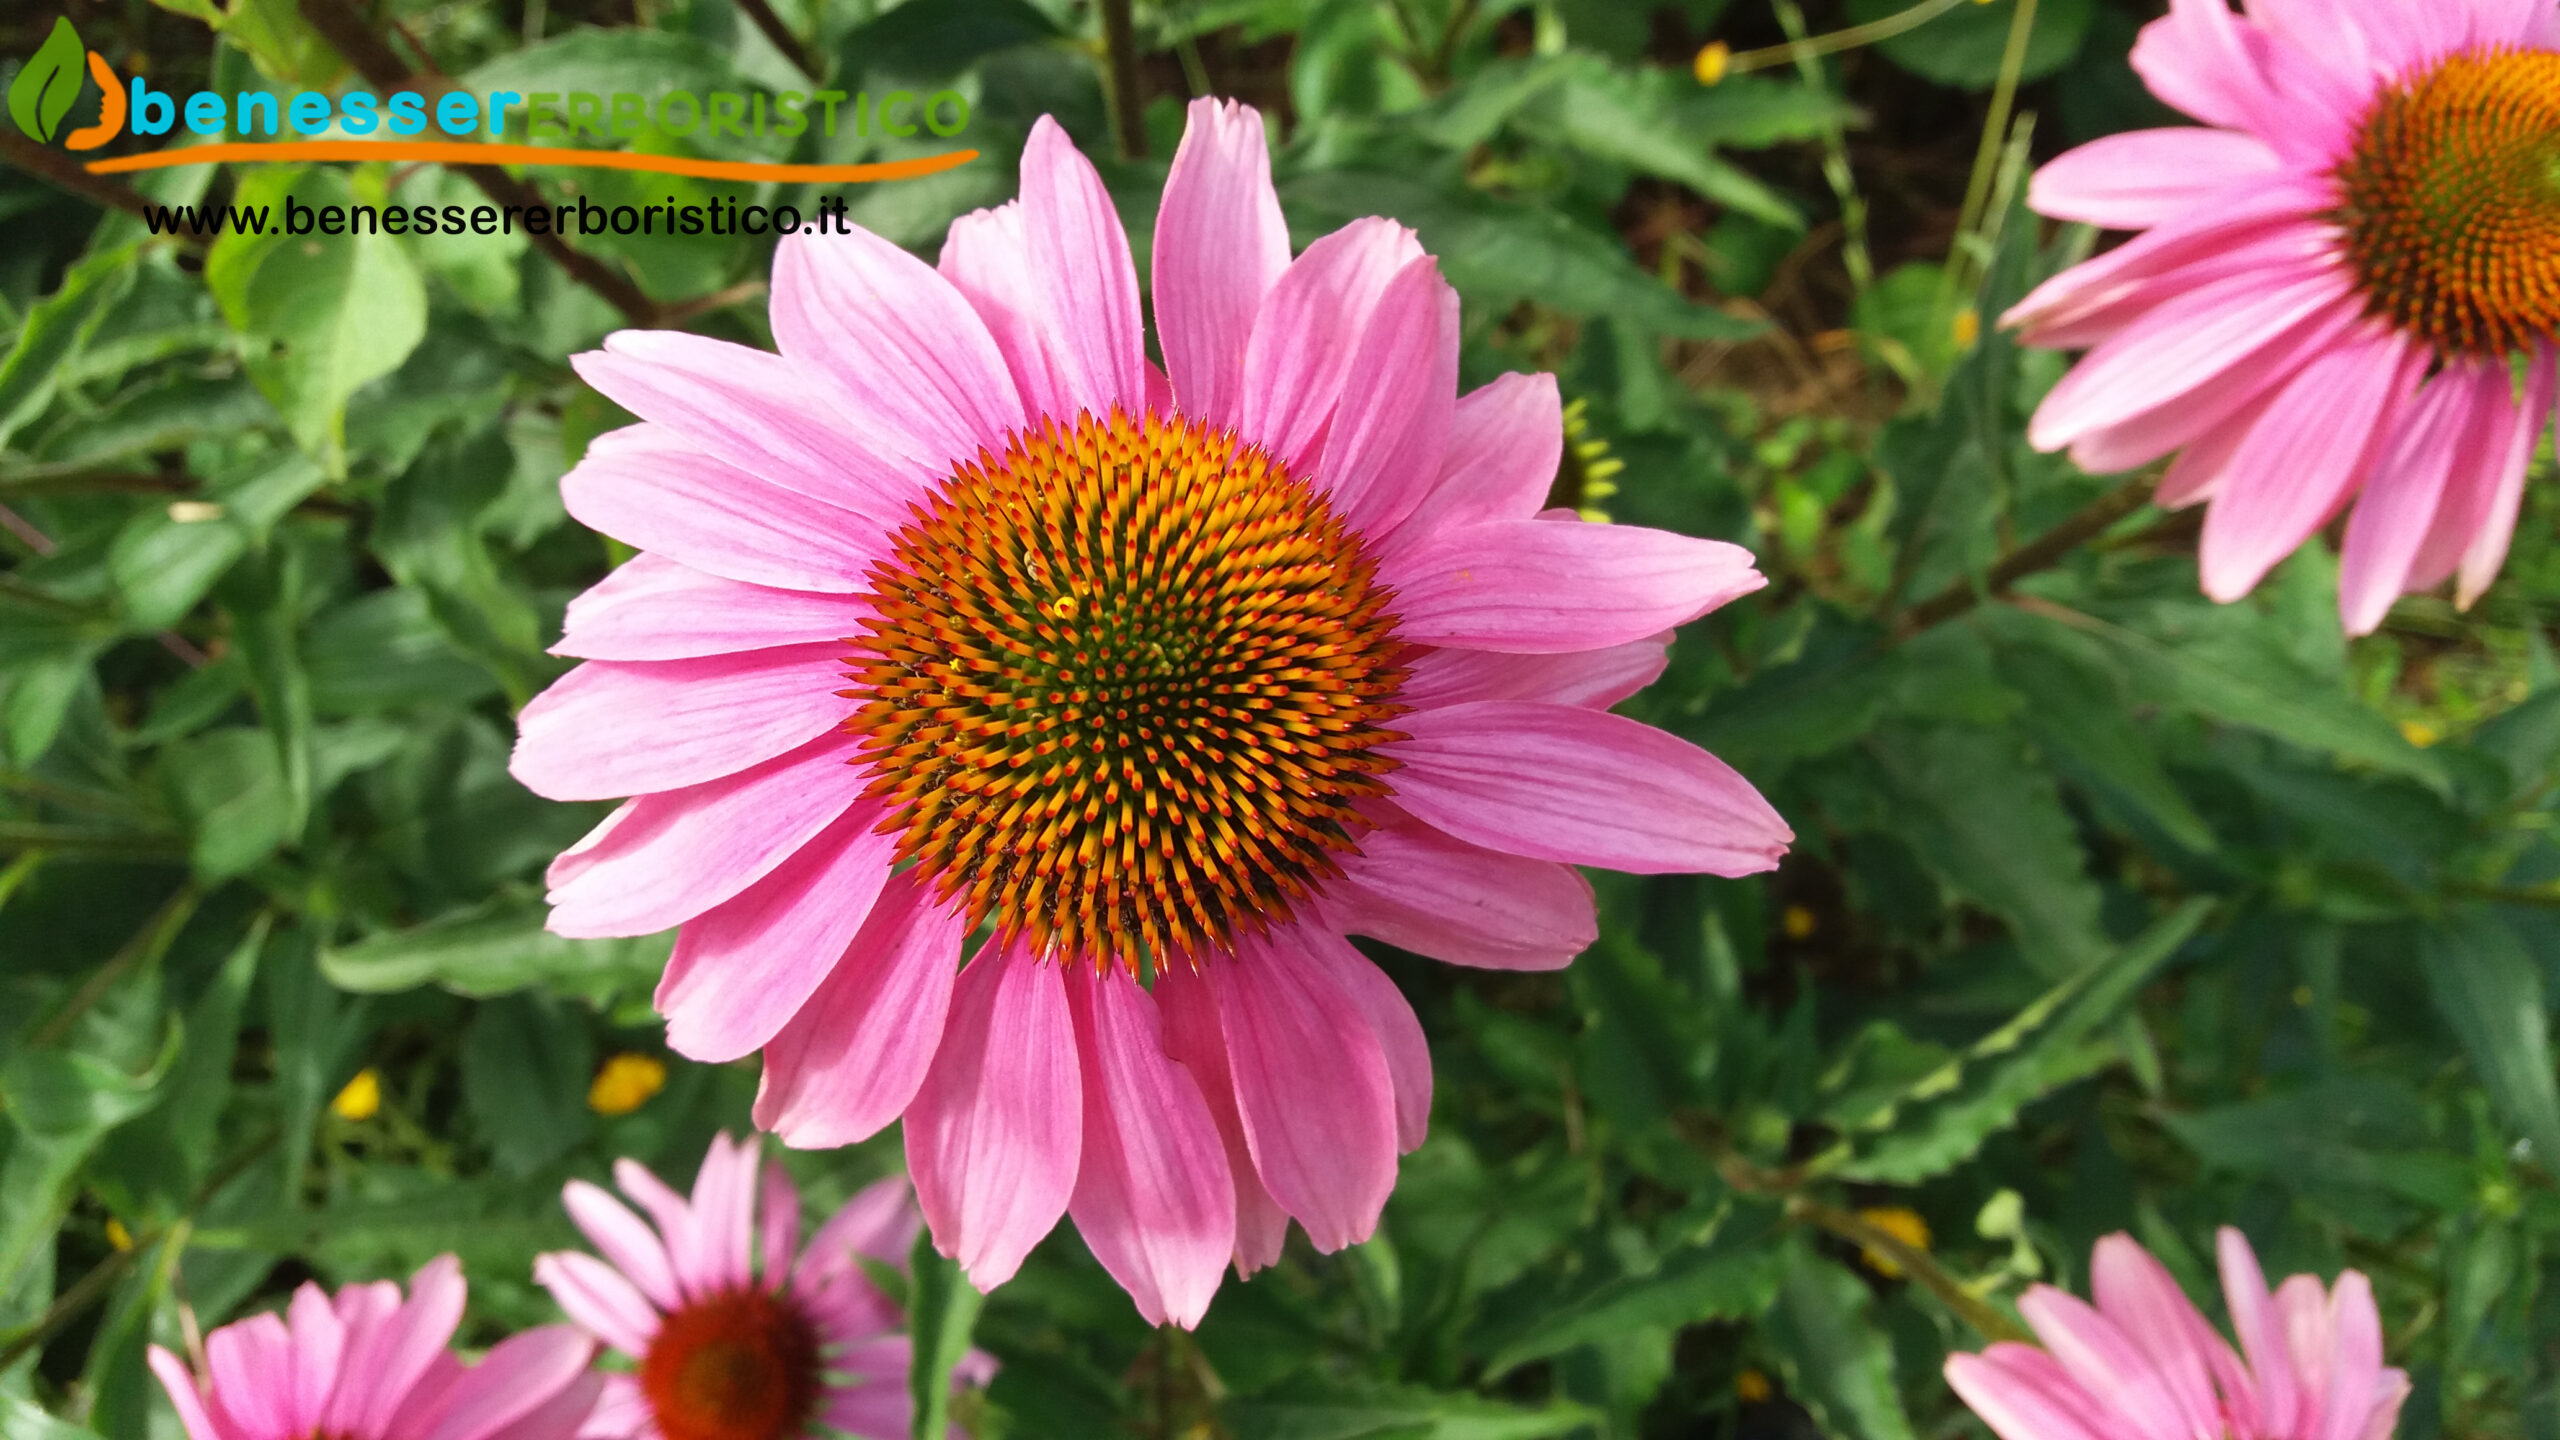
x: 1505, y: 441
x: 778, y: 1226
x: 2204, y: 467
x: 1390, y: 1018
x: 1544, y: 586
x: 2355, y: 1348
x: 994, y: 1132
x: 1390, y: 430
x: 655, y: 608
x: 1220, y: 243
x: 1193, y: 1037
x: 249, y: 1363
x: 2531, y: 416
x: 404, y: 1349
x: 2136, y: 179
x: 1079, y: 268
x: 1152, y: 1198
x: 649, y: 488
x: 2022, y: 1394
x: 742, y: 969
x: 612, y: 728
x: 2098, y: 1354
x: 517, y: 1375
x: 2137, y: 1293
x: 901, y: 340
x: 1585, y: 788
x: 564, y: 1416
x: 2264, y: 230
x: 183, y: 1395
x: 757, y: 411
x: 1312, y: 1088
x: 2305, y: 457
x: 1309, y: 326
x: 852, y: 1058
x: 1591, y: 679
x: 665, y: 858
x: 880, y: 1221
x: 2392, y: 519
x: 1424, y: 891
x: 625, y: 1241
x: 600, y: 1298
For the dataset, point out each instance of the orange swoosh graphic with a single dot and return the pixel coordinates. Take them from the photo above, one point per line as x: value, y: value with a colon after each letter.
x: 472, y: 152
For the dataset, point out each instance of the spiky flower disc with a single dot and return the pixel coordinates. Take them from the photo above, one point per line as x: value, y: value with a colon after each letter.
x: 2452, y: 202
x: 1125, y: 682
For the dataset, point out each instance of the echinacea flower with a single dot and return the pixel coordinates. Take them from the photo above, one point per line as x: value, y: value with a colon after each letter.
x: 2345, y: 290
x: 737, y: 1330
x: 2144, y: 1364
x: 369, y: 1365
x: 959, y: 613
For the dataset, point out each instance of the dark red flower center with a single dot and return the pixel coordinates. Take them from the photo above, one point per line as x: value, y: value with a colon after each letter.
x: 742, y: 1365
x: 2451, y: 202
x: 1126, y: 682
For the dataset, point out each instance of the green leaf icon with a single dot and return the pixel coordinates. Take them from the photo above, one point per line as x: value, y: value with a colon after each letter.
x: 44, y: 90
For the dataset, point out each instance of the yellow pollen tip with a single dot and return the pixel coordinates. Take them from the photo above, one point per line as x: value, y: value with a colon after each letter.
x: 625, y: 1083
x: 1714, y: 58
x: 1903, y: 1225
x: 118, y: 1236
x: 361, y: 1098
x: 1751, y: 1387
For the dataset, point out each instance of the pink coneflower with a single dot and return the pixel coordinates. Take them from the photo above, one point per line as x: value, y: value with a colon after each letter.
x: 737, y: 1331
x: 370, y: 1366
x: 1169, y: 681
x: 2143, y: 1364
x: 2348, y: 287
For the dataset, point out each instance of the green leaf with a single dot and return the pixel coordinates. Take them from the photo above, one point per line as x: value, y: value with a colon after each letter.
x: 2490, y: 991
x: 491, y: 949
x: 525, y: 1068
x: 162, y: 566
x: 1717, y: 1282
x: 1939, y: 1120
x: 21, y: 1420
x: 1838, y: 1363
x: 49, y: 83
x: 39, y: 699
x: 228, y: 786
x: 1629, y: 119
x: 2077, y: 710
x: 942, y: 1310
x: 60, y: 324
x: 323, y: 314
x: 1404, y: 1413
x: 1963, y: 47
x: 264, y: 601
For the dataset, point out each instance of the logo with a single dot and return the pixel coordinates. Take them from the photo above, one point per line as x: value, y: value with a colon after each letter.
x: 42, y: 97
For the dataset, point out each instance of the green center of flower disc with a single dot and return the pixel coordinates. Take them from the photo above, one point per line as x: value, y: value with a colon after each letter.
x: 2451, y: 202
x: 1125, y: 685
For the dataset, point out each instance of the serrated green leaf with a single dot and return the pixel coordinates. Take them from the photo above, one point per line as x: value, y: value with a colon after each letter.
x: 1717, y: 1282
x: 2491, y: 992
x: 1838, y: 1362
x: 57, y: 326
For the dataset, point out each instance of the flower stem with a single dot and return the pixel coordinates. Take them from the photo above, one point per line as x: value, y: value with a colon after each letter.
x: 1915, y: 1262
x: 1120, y: 67
x: 2042, y: 553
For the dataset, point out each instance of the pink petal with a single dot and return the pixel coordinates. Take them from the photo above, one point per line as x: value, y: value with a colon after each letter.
x: 613, y: 727
x: 665, y: 858
x: 2488, y: 548
x: 1390, y: 1018
x: 756, y: 411
x: 1311, y: 321
x: 778, y: 1228
x: 318, y: 1345
x: 2136, y: 179
x: 1505, y: 442
x: 654, y: 608
x: 2098, y: 1354
x: 994, y: 1132
x: 2207, y: 419
x: 1312, y: 1088
x: 879, y: 1221
x: 1585, y: 788
x: 724, y: 1196
x: 183, y: 1396
x: 597, y: 1297
x: 2136, y: 1292
x: 1391, y: 428
x: 2022, y: 1394
x: 562, y: 1417
x: 1080, y: 271
x: 2356, y: 1379
x: 400, y: 1353
x: 688, y: 1245
x: 1420, y: 890
x: 518, y: 1374
x: 625, y: 1240
x: 1193, y: 1036
x: 2204, y: 60
x: 987, y: 257
x: 249, y: 1363
x: 621, y: 1412
x: 2204, y: 467
x: 1220, y: 243
x: 852, y: 1059
x: 1591, y: 679
x: 742, y: 969
x: 2305, y: 458
x: 1152, y: 1198
x: 2271, y: 231
x: 2392, y: 519
x: 927, y: 377
x: 649, y: 488
x: 1543, y: 586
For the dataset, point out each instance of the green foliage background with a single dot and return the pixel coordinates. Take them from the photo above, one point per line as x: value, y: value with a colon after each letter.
x: 2112, y: 908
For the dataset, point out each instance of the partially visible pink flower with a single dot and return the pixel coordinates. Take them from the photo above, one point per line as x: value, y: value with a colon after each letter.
x: 2144, y: 1364
x: 739, y: 1332
x: 2339, y: 276
x: 958, y: 613
x: 371, y: 1366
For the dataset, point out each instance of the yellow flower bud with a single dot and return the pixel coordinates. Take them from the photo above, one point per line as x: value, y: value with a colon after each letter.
x: 1903, y: 1225
x: 1712, y: 60
x: 626, y: 1082
x: 361, y: 1098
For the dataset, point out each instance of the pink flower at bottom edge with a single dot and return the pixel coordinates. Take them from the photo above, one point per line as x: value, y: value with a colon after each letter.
x: 2144, y: 1363
x: 739, y: 1331
x: 2344, y: 290
x: 369, y: 1365
x: 1183, y: 674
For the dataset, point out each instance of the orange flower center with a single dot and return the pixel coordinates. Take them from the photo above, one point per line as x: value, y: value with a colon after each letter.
x: 2451, y: 202
x: 1125, y: 684
x: 736, y: 1366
